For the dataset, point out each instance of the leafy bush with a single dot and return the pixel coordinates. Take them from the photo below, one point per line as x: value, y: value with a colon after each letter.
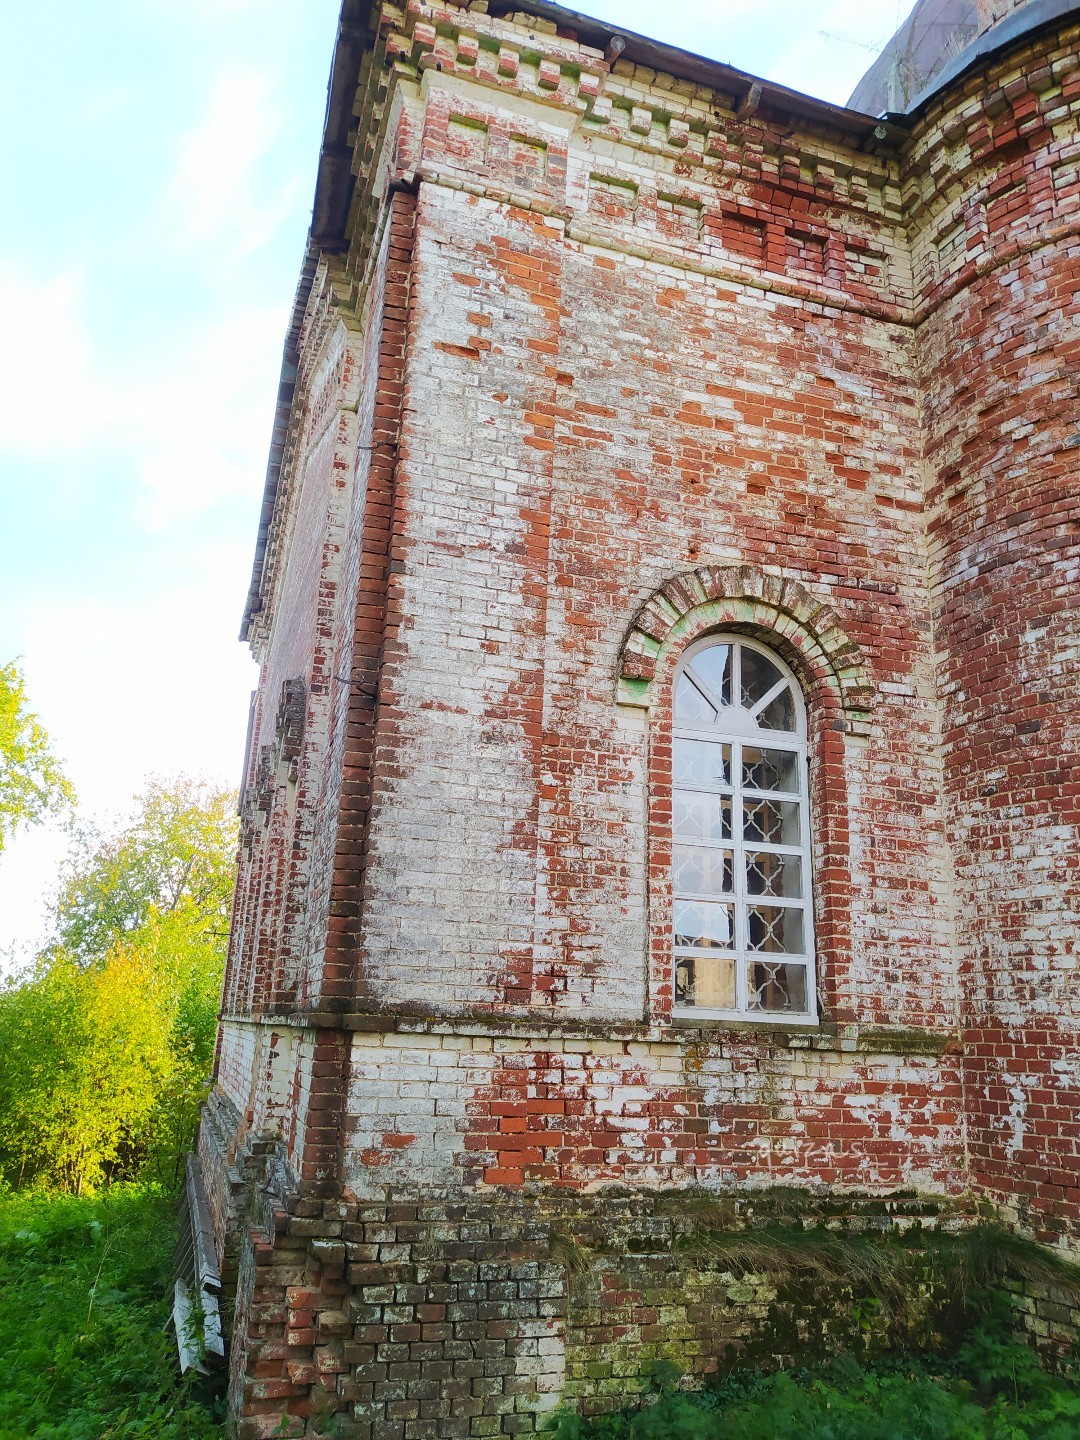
x: 84, y: 1285
x: 993, y: 1388
x: 106, y: 1045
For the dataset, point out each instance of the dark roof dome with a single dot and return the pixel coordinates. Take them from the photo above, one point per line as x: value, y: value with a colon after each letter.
x: 933, y: 35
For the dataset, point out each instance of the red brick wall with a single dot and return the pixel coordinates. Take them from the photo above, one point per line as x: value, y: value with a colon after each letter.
x: 1000, y: 346
x: 303, y: 827
x: 608, y: 367
x: 556, y: 474
x: 579, y: 427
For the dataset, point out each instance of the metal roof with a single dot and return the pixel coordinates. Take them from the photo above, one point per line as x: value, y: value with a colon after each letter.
x: 938, y: 41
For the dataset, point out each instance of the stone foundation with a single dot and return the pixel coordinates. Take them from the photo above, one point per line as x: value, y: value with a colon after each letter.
x: 409, y: 1318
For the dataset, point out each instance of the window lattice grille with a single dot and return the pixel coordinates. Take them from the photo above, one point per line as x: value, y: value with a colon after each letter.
x: 743, y: 919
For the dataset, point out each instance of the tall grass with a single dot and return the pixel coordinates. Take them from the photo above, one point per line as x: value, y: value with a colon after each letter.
x: 84, y: 1349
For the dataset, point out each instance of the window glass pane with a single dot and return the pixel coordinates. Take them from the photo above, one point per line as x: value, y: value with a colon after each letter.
x: 770, y: 769
x: 779, y: 714
x: 775, y: 929
x: 776, y: 989
x: 705, y: 981
x: 743, y: 927
x: 774, y: 821
x: 701, y: 817
x: 759, y: 676
x: 701, y: 764
x: 703, y: 872
x: 713, y: 667
x: 691, y: 707
x: 773, y: 875
x: 701, y: 926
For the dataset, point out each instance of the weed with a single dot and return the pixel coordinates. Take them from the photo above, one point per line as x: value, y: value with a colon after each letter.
x: 992, y: 1388
x: 84, y: 1287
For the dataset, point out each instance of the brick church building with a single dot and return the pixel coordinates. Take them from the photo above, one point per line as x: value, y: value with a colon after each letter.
x: 661, y: 789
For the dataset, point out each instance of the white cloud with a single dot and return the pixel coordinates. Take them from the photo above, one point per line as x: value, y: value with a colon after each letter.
x: 193, y: 430
x: 694, y: 24
x: 29, y: 871
x: 51, y: 401
x: 28, y: 877
x: 720, y: 29
x: 191, y: 415
x: 819, y: 49
x: 201, y: 430
x: 144, y: 371
x: 215, y: 200
x: 126, y: 690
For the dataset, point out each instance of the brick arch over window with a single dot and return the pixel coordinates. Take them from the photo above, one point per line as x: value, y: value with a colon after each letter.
x: 742, y: 597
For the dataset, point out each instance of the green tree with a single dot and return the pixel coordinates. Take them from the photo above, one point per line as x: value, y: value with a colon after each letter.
x: 107, y: 1044
x: 32, y: 784
x: 173, y: 857
x: 86, y: 1061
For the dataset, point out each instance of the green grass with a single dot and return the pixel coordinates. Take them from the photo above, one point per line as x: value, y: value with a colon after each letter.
x: 991, y: 1388
x: 84, y: 1353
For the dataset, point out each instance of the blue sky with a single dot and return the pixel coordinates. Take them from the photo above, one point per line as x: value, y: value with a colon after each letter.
x: 157, y: 163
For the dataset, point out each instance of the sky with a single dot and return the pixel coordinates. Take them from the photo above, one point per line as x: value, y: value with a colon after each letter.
x: 157, y: 163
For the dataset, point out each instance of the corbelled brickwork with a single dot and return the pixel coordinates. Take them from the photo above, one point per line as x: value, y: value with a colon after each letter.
x: 601, y: 350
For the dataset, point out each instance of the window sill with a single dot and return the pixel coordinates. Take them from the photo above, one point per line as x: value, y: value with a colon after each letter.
x: 804, y: 1033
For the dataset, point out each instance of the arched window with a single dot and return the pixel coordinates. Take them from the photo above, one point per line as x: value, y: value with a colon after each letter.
x: 743, y: 919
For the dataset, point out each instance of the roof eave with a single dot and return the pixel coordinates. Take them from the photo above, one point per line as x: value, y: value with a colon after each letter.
x: 686, y: 65
x: 329, y: 217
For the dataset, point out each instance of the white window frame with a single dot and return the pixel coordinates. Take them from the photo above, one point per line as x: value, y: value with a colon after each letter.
x: 735, y: 727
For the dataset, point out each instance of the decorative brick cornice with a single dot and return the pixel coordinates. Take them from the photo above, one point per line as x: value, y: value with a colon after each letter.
x: 701, y: 124
x: 746, y: 598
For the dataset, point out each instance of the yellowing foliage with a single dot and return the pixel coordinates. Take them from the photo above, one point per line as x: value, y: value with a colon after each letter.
x: 106, y: 1046
x: 32, y: 785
